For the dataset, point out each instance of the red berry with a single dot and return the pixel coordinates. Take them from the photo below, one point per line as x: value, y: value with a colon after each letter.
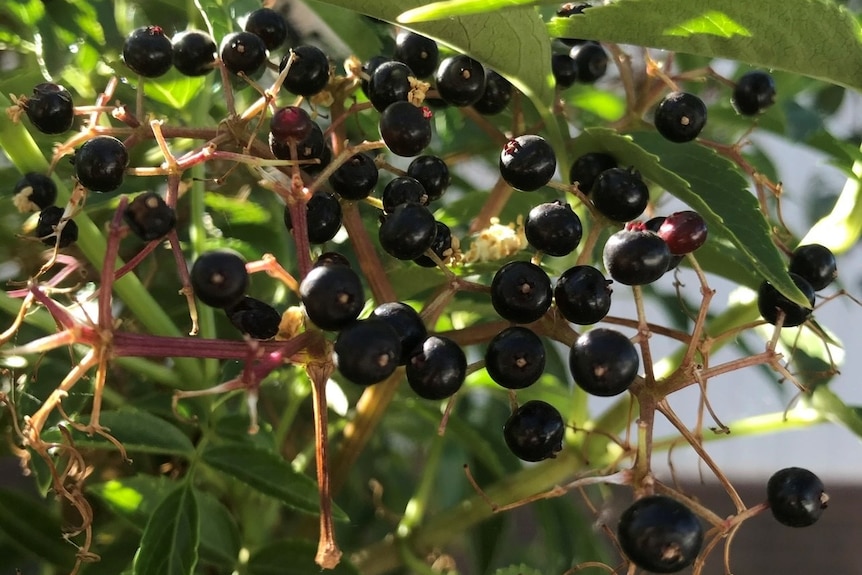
x: 683, y: 232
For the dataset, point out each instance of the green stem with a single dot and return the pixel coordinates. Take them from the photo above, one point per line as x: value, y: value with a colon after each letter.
x: 415, y: 510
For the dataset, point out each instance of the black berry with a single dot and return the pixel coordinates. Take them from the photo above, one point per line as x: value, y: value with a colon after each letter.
x: 405, y: 128
x: 565, y: 70
x: 219, y: 278
x: 34, y: 192
x: 433, y: 173
x: 389, y: 83
x: 620, y: 195
x: 333, y: 296
x: 368, y: 68
x: 680, y: 117
x: 269, y: 25
x: 290, y: 123
x: 683, y: 232
x: 660, y: 534
x: 408, y: 231
x: 515, y: 358
x: 401, y: 190
x: 796, y: 497
x: 50, y: 108
x: 770, y: 302
x: 243, y: 52
x: 49, y: 219
x: 194, y: 53
x: 355, y: 178
x: 815, y: 263
x: 148, y: 52
x: 583, y: 295
x: 636, y: 257
x: 521, y: 292
x: 554, y: 228
x: 591, y: 61
x: 535, y: 431
x: 527, y: 163
x: 406, y: 322
x: 331, y: 259
x: 254, y: 318
x: 754, y: 93
x: 323, y: 217
x: 309, y: 72
x: 586, y: 169
x: 441, y: 246
x: 149, y: 217
x: 100, y: 163
x: 437, y: 368
x: 418, y: 52
x: 367, y: 351
x: 496, y: 95
x: 603, y: 362
x: 460, y: 80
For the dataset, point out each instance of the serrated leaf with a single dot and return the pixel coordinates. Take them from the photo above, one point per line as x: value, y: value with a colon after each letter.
x: 517, y: 570
x: 270, y: 474
x: 169, y: 545
x: 710, y: 184
x: 291, y: 557
x: 29, y: 525
x: 138, y: 431
x: 801, y: 36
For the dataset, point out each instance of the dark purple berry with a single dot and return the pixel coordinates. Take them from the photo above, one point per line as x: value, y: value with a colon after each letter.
x: 309, y: 72
x: 460, y: 80
x: 100, y: 163
x: 149, y: 217
x: 660, y: 534
x: 355, y: 178
x: 368, y: 68
x: 290, y: 123
x: 521, y: 292
x: 194, y: 53
x: 554, y: 228
x: 433, y: 173
x: 405, y: 128
x: 406, y: 322
x: 683, y: 232
x: 34, y: 192
x: 680, y: 117
x: 436, y: 369
x: 402, y: 190
x: 565, y: 70
x: 620, y: 195
x: 591, y: 60
x: 586, y: 169
x: 148, y: 52
x: 331, y: 259
x: 496, y: 95
x: 254, y: 318
x: 796, y: 497
x: 50, y: 108
x: 771, y: 302
x: 269, y: 25
x: 753, y: 93
x: 322, y: 216
x: 636, y: 257
x: 535, y: 431
x: 366, y: 351
x: 527, y: 163
x: 389, y: 83
x: 243, y: 52
x: 441, y: 246
x: 49, y: 219
x: 515, y: 358
x: 418, y: 52
x: 333, y: 296
x: 583, y: 295
x: 654, y: 225
x: 408, y: 231
x: 603, y: 362
x: 815, y: 263
x: 219, y: 278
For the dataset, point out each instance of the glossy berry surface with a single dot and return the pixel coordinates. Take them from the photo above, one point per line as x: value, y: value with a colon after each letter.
x: 754, y: 93
x: 433, y: 173
x: 405, y: 128
x: 535, y: 431
x: 620, y: 195
x: 441, y: 245
x: 254, y: 318
x: 367, y: 351
x: 496, y: 95
x: 554, y: 228
x: 586, y: 169
x: 269, y: 25
x: 654, y: 225
x: 243, y: 52
x: 50, y: 108
x: 436, y: 369
x: 565, y: 70
x: 814, y: 263
x: 683, y: 232
x: 636, y: 257
x: 460, y: 80
x: 521, y: 292
x: 408, y: 231
x: 148, y: 52
x: 332, y: 295
x: 603, y: 362
x: 406, y: 322
x: 583, y: 295
x: 309, y: 72
x: 796, y: 497
x: 149, y: 217
x: 194, y: 53
x: 49, y: 218
x: 290, y: 123
x: 389, y: 83
x: 331, y: 259
x: 527, y: 163
x: 591, y: 61
x: 770, y: 302
x: 660, y: 534
x: 100, y: 163
x: 515, y: 358
x: 34, y: 192
x: 402, y: 190
x: 368, y: 68
x: 680, y: 117
x: 355, y: 178
x: 421, y: 54
x: 219, y: 278
x: 322, y: 217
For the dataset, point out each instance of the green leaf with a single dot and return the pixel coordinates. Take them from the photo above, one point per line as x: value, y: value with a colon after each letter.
x: 235, y: 210
x: 270, y: 474
x: 840, y: 229
x: 220, y: 540
x: 291, y: 557
x: 517, y: 570
x: 350, y: 28
x: 29, y: 525
x: 833, y: 408
x: 710, y: 184
x: 138, y: 431
x: 816, y: 38
x: 169, y: 545
x: 174, y: 89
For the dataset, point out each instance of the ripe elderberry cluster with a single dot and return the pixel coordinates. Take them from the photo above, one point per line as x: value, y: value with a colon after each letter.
x: 303, y: 154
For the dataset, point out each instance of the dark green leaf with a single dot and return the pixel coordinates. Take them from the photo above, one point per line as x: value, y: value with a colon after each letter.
x: 350, y: 29
x: 270, y: 474
x: 758, y: 33
x: 169, y: 545
x: 29, y: 525
x: 291, y: 557
x: 220, y: 540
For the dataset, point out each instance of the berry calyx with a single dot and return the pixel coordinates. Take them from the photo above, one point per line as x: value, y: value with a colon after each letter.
x: 754, y: 93
x: 521, y: 292
x: 243, y: 52
x: 680, y: 117
x: 333, y: 296
x: 620, y: 194
x: 814, y: 263
x: 636, y: 257
x: 660, y: 534
x: 254, y: 318
x: 194, y: 53
x: 796, y: 497
x: 460, y: 80
x: 148, y: 52
x: 149, y: 217
x: 527, y: 163
x: 50, y: 108
x: 771, y: 303
x: 46, y: 228
x: 34, y: 192
x: 366, y: 351
x: 269, y: 25
x: 554, y: 228
x: 436, y: 369
x: 683, y: 232
x: 603, y: 362
x: 219, y: 278
x: 583, y: 295
x: 515, y: 358
x: 534, y: 431
x: 405, y: 128
x: 100, y: 163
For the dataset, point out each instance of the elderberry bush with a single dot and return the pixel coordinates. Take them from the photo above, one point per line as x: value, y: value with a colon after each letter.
x: 299, y: 285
